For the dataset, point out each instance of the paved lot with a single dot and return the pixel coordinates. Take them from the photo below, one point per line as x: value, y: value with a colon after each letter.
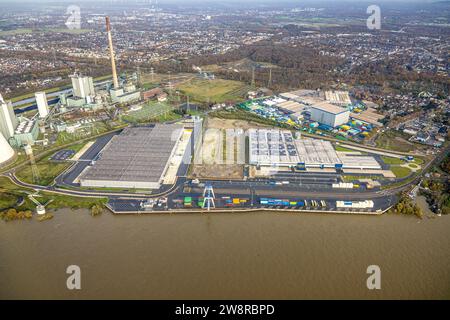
x: 63, y: 155
x: 84, y: 161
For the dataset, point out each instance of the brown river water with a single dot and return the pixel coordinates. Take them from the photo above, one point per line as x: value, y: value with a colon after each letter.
x: 225, y: 256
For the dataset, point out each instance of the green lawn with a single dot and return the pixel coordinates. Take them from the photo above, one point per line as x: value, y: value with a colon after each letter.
x: 7, y: 200
x: 9, y: 194
x: 15, y: 32
x: 396, y: 141
x: 355, y: 178
x: 67, y: 30
x: 389, y: 160
x: 48, y: 171
x: 214, y: 91
x: 400, y: 172
x: 343, y: 149
x: 152, y: 112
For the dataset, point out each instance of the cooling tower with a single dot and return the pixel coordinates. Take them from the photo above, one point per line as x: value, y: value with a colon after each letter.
x: 6, y: 152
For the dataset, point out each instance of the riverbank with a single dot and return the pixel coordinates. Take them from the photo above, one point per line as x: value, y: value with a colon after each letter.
x: 232, y: 256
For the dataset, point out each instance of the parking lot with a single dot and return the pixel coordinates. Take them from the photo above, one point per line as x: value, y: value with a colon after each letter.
x: 63, y: 155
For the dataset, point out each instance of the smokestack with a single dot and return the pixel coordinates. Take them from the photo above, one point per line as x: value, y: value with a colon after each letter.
x: 111, y: 53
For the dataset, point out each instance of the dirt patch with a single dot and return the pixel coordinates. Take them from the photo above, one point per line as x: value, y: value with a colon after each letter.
x: 218, y: 171
x: 218, y: 123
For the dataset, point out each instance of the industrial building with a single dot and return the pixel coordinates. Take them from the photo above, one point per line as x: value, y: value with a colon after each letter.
x: 42, y: 104
x: 84, y: 95
x: 272, y: 147
x: 137, y: 158
x: 6, y: 152
x: 26, y: 132
x: 314, y: 153
x: 83, y: 87
x: 329, y: 114
x: 359, y: 162
x: 280, y: 148
x: 339, y: 98
x: 8, y: 120
x: 126, y: 94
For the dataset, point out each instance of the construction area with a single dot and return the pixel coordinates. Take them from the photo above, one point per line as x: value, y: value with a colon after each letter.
x: 137, y: 158
x: 221, y: 154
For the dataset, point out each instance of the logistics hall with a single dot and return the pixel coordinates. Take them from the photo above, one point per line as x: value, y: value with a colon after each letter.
x: 280, y: 148
x: 137, y: 158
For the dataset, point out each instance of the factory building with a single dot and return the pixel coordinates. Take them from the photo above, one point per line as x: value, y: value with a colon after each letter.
x: 83, y: 87
x: 339, y: 98
x: 26, y: 132
x: 278, y: 148
x: 328, y: 114
x: 272, y: 147
x: 137, y: 158
x: 6, y: 152
x: 8, y: 120
x: 125, y: 95
x: 83, y: 94
x: 314, y: 153
x: 42, y: 104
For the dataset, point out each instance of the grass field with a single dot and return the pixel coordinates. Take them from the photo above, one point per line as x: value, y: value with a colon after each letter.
x: 10, y: 193
x: 55, y: 30
x: 343, y: 149
x: 48, y: 171
x: 7, y: 200
x: 67, y: 30
x: 214, y: 91
x: 393, y: 140
x: 389, y: 160
x: 15, y: 32
x: 355, y: 178
x: 153, y: 111
x: 400, y: 172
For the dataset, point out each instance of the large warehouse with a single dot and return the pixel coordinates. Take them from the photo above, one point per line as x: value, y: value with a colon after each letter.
x: 269, y: 147
x: 329, y: 114
x: 280, y: 148
x: 315, y: 153
x: 137, y: 158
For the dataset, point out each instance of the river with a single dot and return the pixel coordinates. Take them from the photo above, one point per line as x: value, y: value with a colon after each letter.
x: 225, y: 256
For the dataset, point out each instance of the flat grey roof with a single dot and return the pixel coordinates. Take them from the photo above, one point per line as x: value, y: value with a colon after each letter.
x: 272, y: 146
x: 137, y: 154
x: 313, y: 151
x: 330, y: 108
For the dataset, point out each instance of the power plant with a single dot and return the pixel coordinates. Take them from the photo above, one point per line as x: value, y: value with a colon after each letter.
x: 119, y: 94
x: 42, y: 104
x: 6, y: 152
x: 8, y: 120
